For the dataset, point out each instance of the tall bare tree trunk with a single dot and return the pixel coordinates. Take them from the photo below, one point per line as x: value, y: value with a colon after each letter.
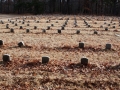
x: 1, y: 6
x: 8, y: 6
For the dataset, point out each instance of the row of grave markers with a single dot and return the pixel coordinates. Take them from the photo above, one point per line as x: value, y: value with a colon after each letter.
x: 58, y: 31
x: 81, y: 45
x: 45, y: 59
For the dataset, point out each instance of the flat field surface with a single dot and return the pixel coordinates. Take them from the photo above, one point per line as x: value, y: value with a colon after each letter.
x: 64, y: 71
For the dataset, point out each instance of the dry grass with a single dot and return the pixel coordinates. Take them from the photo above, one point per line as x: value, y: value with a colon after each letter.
x: 64, y: 70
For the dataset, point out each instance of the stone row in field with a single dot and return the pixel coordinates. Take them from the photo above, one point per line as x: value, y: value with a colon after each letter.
x: 57, y: 25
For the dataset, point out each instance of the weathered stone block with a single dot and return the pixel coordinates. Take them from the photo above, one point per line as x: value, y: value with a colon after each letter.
x: 45, y: 60
x: 84, y: 61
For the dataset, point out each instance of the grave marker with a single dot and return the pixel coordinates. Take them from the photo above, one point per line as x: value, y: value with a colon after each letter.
x: 21, y: 27
x: 7, y: 26
x: 106, y: 29
x: 78, y: 32
x: 59, y: 31
x: 12, y: 30
x: 45, y: 60
x: 21, y: 44
x: 35, y: 27
x: 81, y: 45
x: 84, y: 61
x: 6, y: 58
x: 27, y: 30
x: 95, y: 32
x: 1, y: 42
x: 108, y: 46
x: 43, y: 31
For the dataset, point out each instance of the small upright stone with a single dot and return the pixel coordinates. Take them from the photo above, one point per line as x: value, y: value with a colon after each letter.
x: 21, y: 44
x: 106, y: 29
x: 7, y: 26
x: 37, y: 21
x: 59, y: 31
x: 101, y: 26
x: 84, y: 61
x: 12, y: 30
x: 47, y: 21
x: 81, y: 45
x: 21, y: 27
x: 45, y: 60
x: 2, y: 22
x: 95, y: 23
x: 28, y: 25
x: 23, y: 22
x: 78, y: 32
x: 15, y: 24
x: 75, y: 25
x: 27, y: 30
x: 113, y: 26
x: 1, y: 42
x: 95, y: 32
x: 43, y: 31
x: 108, y: 46
x: 35, y: 27
x: 62, y: 28
x: 52, y: 25
x: 89, y: 26
x: 108, y: 24
x: 6, y: 58
x: 48, y: 27
x: 12, y: 22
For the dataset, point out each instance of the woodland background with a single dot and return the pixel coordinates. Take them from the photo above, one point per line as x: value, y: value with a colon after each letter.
x: 89, y: 7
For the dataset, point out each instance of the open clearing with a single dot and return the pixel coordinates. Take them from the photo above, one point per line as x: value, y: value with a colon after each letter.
x: 63, y: 72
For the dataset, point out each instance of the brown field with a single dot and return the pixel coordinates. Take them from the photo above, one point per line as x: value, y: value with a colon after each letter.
x: 63, y: 72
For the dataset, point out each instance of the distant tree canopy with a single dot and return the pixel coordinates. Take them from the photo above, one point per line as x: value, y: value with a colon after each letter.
x: 97, y: 7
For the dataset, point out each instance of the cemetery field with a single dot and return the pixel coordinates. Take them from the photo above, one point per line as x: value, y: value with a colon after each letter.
x: 59, y: 37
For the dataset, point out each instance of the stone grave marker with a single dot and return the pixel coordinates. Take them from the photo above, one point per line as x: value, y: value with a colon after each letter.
x: 84, y: 61
x: 45, y: 60
x: 6, y: 58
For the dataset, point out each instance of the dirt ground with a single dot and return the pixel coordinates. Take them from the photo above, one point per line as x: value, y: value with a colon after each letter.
x: 64, y: 71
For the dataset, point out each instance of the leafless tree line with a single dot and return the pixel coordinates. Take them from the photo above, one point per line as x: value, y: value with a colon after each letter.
x: 96, y: 7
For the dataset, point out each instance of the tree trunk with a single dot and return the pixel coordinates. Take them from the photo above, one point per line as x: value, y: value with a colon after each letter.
x: 1, y: 6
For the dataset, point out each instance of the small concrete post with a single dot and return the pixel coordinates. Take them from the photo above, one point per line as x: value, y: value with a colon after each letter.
x: 78, y: 32
x: 106, y: 29
x: 81, y: 45
x: 45, y: 60
x: 43, y: 31
x: 27, y: 30
x: 21, y: 27
x: 1, y: 42
x: 35, y: 27
x: 12, y: 30
x: 21, y: 44
x: 95, y: 32
x: 6, y: 58
x: 108, y: 46
x: 59, y: 31
x: 84, y: 61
